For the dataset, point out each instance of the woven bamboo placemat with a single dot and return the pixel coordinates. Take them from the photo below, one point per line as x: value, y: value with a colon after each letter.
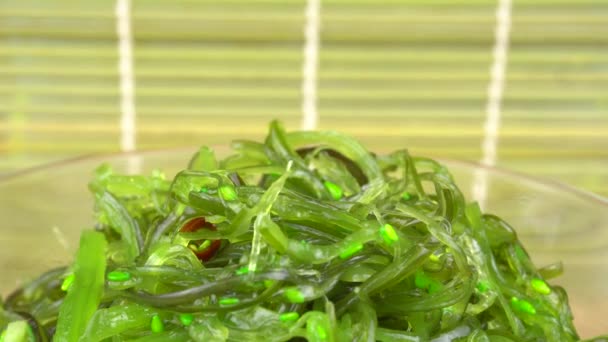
x: 394, y: 73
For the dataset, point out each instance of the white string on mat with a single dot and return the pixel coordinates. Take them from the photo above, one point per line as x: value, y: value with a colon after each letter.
x: 310, y: 66
x: 495, y: 95
x: 127, y: 83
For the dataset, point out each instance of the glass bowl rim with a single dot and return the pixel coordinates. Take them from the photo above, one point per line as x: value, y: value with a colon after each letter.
x: 580, y: 193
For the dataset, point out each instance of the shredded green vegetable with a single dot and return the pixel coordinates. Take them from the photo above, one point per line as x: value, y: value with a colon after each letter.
x: 305, y: 235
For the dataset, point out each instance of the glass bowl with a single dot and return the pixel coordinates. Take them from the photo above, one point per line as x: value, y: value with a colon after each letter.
x: 43, y: 210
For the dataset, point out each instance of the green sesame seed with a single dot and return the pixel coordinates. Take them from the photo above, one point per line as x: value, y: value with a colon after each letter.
x: 351, y: 250
x: 119, y: 276
x: 228, y: 193
x: 156, y: 325
x: 389, y: 234
x: 483, y: 286
x: 289, y: 316
x: 67, y: 282
x: 243, y: 270
x: 294, y: 295
x: 434, y: 258
x: 514, y: 302
x: 229, y: 301
x: 527, y: 307
x: 406, y: 196
x: 540, y: 286
x: 204, y: 189
x: 321, y: 333
x: 334, y: 190
x: 522, y: 305
x: 186, y: 319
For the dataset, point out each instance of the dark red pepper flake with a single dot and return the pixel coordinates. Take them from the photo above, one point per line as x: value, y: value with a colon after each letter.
x: 209, y: 251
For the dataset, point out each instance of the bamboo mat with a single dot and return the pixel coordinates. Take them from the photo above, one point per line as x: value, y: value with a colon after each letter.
x: 394, y: 73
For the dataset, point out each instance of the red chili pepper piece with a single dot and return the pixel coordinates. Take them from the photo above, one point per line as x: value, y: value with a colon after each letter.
x: 196, y: 224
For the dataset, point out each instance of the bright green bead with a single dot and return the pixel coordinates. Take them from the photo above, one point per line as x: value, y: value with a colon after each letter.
x: 351, y: 250
x: 294, y: 295
x: 229, y: 301
x: 389, y: 234
x: 67, y: 282
x: 228, y: 193
x: 334, y: 190
x: 527, y: 307
x: 540, y: 286
x: 186, y: 319
x: 406, y: 196
x: 483, y: 286
x: 523, y: 305
x: 156, y: 325
x: 119, y: 276
x: 242, y: 271
x: 289, y: 316
x: 320, y: 332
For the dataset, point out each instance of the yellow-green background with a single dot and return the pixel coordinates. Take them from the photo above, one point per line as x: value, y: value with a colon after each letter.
x: 394, y: 73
